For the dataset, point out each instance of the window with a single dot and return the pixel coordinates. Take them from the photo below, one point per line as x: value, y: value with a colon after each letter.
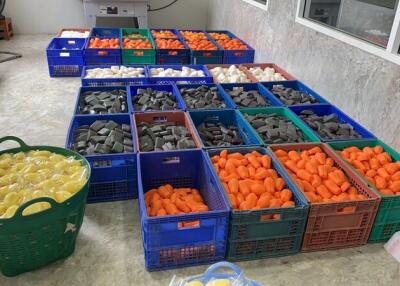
x: 372, y: 25
x: 263, y: 4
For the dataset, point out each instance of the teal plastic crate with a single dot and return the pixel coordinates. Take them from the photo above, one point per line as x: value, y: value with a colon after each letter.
x: 308, y: 134
x: 387, y: 220
x: 252, y: 234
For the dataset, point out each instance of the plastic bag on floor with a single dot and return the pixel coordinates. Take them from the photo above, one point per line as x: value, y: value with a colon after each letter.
x: 393, y: 246
x: 214, y: 277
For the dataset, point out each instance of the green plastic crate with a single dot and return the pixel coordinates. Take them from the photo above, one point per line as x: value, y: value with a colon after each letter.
x: 30, y: 242
x: 309, y: 135
x: 138, y: 56
x: 387, y: 220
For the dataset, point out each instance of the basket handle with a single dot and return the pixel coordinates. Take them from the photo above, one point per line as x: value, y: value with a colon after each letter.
x: 52, y: 202
x: 21, y: 143
x: 209, y: 274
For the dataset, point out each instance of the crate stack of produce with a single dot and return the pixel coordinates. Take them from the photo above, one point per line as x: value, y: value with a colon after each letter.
x: 72, y: 48
x: 230, y: 160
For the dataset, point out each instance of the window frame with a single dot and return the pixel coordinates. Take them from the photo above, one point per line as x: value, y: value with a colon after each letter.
x: 391, y: 53
x: 258, y: 4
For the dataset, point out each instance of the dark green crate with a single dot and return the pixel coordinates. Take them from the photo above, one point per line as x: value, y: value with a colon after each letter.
x: 387, y: 220
x: 309, y: 135
x: 138, y: 56
x: 253, y: 237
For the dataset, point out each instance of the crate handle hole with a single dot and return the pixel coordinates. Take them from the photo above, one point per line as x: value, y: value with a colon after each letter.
x: 346, y: 210
x: 173, y: 53
x: 138, y: 53
x: 270, y: 217
x: 159, y: 118
x: 71, y: 42
x: 102, y: 53
x: 102, y: 164
x: 238, y: 54
x: 188, y: 224
x: 171, y: 160
x: 212, y: 118
x: 207, y: 54
x: 64, y: 54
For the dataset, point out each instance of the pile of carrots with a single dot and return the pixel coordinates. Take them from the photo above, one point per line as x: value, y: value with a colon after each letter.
x: 134, y: 36
x: 137, y: 44
x: 377, y: 167
x: 219, y: 36
x: 169, y: 201
x: 232, y: 44
x: 317, y: 176
x: 201, y: 45
x: 98, y: 43
x: 250, y: 181
x: 163, y: 34
x: 193, y: 36
x: 169, y: 44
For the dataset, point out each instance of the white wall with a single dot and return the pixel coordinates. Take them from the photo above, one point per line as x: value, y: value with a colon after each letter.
x: 49, y: 16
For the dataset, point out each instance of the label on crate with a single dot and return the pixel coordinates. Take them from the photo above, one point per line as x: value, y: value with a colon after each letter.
x: 393, y: 246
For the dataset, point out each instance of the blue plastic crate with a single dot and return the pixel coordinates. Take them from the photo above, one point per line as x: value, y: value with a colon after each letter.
x: 106, y: 56
x: 229, y: 118
x: 180, y: 80
x: 222, y: 96
x: 236, y: 56
x: 113, y: 81
x: 65, y: 57
x: 167, y: 242
x: 173, y: 56
x: 84, y: 89
x: 248, y: 86
x: 252, y: 234
x: 132, y: 91
x: 105, y: 32
x: 114, y: 176
x: 296, y: 85
x: 327, y: 109
x: 202, y: 57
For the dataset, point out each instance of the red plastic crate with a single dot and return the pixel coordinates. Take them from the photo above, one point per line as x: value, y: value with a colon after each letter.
x: 329, y: 228
x: 178, y: 117
x: 278, y: 69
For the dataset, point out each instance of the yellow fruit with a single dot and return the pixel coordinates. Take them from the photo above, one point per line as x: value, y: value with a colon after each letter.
x: 5, y: 163
x: 10, y: 211
x: 30, y: 168
x: 60, y: 166
x: 62, y: 196
x: 32, y: 178
x: 3, y: 208
x: 11, y: 199
x: 59, y: 179
x: 20, y: 156
x: 40, y: 153
x: 56, y: 158
x: 37, y: 174
x: 219, y: 282
x: 194, y: 283
x: 45, y: 173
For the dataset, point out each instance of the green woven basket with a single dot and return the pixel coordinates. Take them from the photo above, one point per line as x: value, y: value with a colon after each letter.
x: 30, y: 242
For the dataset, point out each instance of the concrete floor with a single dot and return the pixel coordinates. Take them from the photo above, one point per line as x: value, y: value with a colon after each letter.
x: 109, y: 252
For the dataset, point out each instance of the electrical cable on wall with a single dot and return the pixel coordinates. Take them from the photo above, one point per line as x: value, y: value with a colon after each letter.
x: 161, y: 8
